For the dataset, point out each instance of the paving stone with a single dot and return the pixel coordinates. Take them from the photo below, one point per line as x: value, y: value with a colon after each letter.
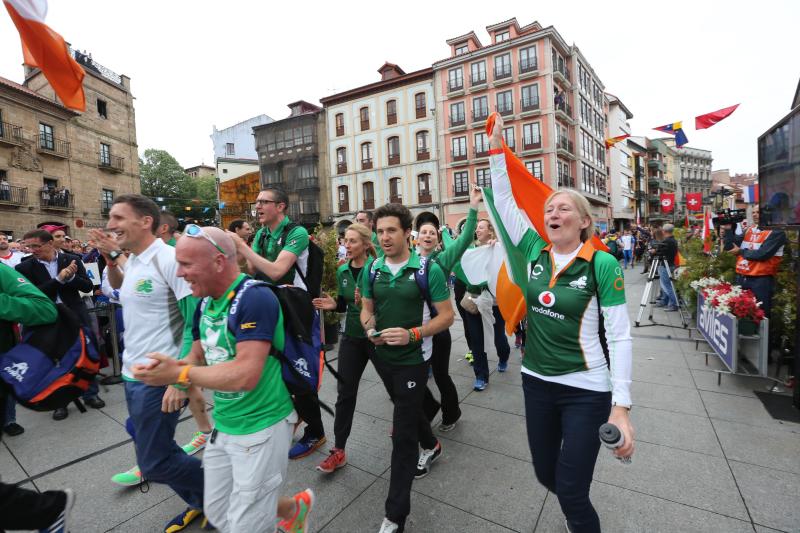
x: 729, y: 384
x: 668, y: 428
x: 771, y: 448
x: 653, y: 372
x: 771, y: 495
x: 501, y: 397
x: 685, y: 477
x: 492, y: 430
x: 10, y: 470
x: 668, y: 398
x: 626, y: 511
x: 748, y: 411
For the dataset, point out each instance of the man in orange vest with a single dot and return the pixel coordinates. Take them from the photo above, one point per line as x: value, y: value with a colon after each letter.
x: 759, y: 252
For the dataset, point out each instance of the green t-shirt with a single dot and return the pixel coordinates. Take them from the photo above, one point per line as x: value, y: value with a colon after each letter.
x: 269, y: 244
x: 347, y: 284
x: 21, y: 301
x: 257, y: 317
x: 377, y: 245
x: 398, y: 303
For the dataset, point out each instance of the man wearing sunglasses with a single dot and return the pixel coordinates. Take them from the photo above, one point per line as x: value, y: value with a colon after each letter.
x: 281, y: 257
x: 157, y: 309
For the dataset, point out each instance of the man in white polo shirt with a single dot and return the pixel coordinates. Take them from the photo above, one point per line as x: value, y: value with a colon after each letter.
x: 157, y: 308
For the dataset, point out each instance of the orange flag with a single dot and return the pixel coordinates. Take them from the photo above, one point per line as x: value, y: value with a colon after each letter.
x: 45, y: 49
x: 530, y: 195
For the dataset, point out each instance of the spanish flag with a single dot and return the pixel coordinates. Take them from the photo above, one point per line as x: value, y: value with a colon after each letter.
x: 614, y: 140
x: 489, y: 264
x: 45, y: 49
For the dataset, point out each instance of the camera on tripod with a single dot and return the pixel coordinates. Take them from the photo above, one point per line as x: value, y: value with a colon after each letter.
x: 658, y: 249
x: 729, y: 216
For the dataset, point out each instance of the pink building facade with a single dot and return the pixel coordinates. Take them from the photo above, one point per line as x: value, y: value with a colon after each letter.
x: 552, y: 103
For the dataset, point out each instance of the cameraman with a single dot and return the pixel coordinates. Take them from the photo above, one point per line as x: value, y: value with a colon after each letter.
x: 667, y: 249
x: 759, y: 252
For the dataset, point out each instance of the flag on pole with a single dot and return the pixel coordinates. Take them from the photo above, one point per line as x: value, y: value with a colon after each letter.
x: 708, y: 227
x: 45, y: 49
x: 694, y: 201
x: 750, y: 194
x: 614, y: 140
x: 687, y: 220
x: 709, y: 119
x: 667, y: 202
x: 676, y: 129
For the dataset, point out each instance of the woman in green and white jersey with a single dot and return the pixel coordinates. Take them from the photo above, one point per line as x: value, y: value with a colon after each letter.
x: 570, y: 387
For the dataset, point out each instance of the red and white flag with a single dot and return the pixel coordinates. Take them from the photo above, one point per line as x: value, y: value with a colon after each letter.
x: 667, y: 202
x: 708, y: 227
x: 694, y: 201
x: 45, y: 49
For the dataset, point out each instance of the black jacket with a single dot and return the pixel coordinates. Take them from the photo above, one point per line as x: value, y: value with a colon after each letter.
x: 36, y: 272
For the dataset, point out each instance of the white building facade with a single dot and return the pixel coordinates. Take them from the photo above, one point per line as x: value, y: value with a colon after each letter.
x: 236, y: 142
x: 620, y: 164
x: 382, y: 145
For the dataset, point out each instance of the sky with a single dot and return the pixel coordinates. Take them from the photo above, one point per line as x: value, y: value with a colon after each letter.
x: 197, y: 64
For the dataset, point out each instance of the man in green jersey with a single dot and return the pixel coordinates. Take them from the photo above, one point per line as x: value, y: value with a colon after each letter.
x: 281, y: 257
x: 398, y: 320
x: 234, y: 330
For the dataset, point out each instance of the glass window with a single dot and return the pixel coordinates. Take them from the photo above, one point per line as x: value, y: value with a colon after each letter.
x: 341, y: 155
x: 230, y: 149
x: 459, y: 146
x: 502, y: 66
x: 527, y: 59
x: 480, y: 107
x: 455, y: 77
x: 46, y: 139
x: 366, y: 152
x: 481, y: 143
x: 419, y: 102
x: 505, y: 102
x: 530, y: 96
x: 422, y: 141
x: 105, y: 154
x: 457, y: 113
x: 532, y: 135
x: 463, y: 49
x: 508, y: 137
x: 502, y: 36
x: 478, y: 71
x: 107, y: 200
x: 461, y: 183
x: 391, y: 111
x: 483, y: 177
x: 339, y: 124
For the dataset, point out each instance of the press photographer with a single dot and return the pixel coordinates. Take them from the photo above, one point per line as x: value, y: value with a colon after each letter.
x: 667, y: 249
x: 759, y: 252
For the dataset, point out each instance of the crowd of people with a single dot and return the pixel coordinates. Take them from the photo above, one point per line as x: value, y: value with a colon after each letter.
x: 200, y: 311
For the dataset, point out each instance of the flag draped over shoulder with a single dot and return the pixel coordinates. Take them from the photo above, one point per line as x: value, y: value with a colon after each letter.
x: 676, y: 129
x: 45, y: 49
x: 709, y: 119
x: 489, y: 264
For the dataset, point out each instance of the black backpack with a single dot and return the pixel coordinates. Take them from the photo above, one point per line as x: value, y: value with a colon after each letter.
x: 316, y: 260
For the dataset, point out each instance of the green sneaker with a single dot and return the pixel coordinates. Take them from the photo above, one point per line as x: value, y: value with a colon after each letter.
x: 304, y: 502
x: 197, y: 443
x: 131, y: 478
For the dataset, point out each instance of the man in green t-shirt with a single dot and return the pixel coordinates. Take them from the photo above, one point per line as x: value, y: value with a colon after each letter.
x: 398, y: 320
x: 366, y: 218
x: 245, y: 460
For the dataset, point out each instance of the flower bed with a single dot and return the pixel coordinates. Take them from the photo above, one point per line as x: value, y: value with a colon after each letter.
x: 730, y: 299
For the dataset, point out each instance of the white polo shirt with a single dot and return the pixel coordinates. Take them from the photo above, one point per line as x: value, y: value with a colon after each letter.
x: 149, y: 296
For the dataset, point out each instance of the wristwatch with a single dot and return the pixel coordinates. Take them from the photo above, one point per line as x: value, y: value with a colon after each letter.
x: 114, y: 254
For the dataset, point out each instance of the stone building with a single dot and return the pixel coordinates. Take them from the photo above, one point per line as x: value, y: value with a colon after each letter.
x: 61, y: 166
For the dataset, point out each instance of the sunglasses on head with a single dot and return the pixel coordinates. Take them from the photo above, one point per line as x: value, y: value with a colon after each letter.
x: 193, y: 230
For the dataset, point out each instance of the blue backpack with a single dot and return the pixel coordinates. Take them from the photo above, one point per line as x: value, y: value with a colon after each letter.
x: 420, y: 277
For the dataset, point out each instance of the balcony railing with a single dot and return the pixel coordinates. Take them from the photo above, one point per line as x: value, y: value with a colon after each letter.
x: 344, y: 207
x: 423, y: 154
x: 566, y: 181
x: 455, y: 85
x: 532, y: 144
x: 528, y: 65
x: 566, y: 144
x: 529, y: 104
x: 421, y: 113
x: 366, y: 164
x: 391, y: 118
x: 458, y: 156
x: 111, y: 162
x: 460, y: 190
x: 480, y: 114
x: 53, y: 146
x: 481, y: 151
x: 341, y: 168
x: 425, y: 197
x: 339, y: 131
x: 394, y: 159
x: 10, y: 133
x: 564, y: 108
x: 369, y: 203
x: 478, y: 80
x: 502, y: 72
x: 506, y: 109
x: 457, y: 120
x: 11, y: 195
x: 53, y: 199
x: 395, y: 199
x: 562, y: 70
x: 364, y: 125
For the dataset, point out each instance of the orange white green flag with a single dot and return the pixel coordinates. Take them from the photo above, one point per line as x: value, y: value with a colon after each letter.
x: 45, y: 49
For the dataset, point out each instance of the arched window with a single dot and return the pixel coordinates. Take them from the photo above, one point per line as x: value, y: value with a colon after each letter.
x: 423, y: 150
x: 424, y: 181
x: 344, y: 199
x: 391, y: 112
x: 364, y: 113
x: 341, y: 160
x: 396, y: 191
x: 393, y: 144
x: 366, y: 156
x: 368, y: 192
x: 419, y: 104
x: 339, y: 124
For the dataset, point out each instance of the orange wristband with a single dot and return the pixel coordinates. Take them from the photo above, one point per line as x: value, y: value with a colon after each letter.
x: 183, y: 377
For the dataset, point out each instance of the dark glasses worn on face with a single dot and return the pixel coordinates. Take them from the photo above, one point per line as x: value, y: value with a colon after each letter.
x: 263, y: 202
x: 193, y: 230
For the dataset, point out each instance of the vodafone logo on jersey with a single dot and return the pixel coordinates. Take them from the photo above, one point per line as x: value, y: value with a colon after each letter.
x: 547, y: 299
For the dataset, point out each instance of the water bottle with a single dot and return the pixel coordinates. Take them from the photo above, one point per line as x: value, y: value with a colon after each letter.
x: 612, y: 438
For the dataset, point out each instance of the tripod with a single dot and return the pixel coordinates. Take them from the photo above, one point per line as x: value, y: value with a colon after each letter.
x: 647, y: 302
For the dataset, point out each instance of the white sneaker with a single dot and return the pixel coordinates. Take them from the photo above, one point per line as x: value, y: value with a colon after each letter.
x: 388, y: 526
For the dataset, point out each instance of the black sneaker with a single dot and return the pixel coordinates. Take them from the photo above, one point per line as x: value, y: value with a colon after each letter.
x: 13, y: 429
x: 61, y: 525
x: 426, y: 459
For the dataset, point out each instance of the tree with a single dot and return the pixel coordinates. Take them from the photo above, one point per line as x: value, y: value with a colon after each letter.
x: 163, y: 177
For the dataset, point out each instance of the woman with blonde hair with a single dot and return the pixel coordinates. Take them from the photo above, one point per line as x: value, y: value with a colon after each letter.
x: 575, y: 301
x: 355, y: 350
